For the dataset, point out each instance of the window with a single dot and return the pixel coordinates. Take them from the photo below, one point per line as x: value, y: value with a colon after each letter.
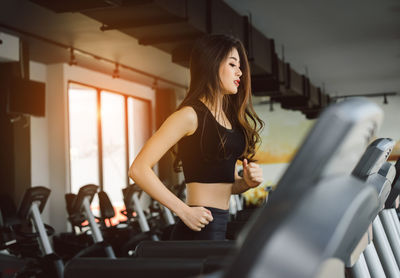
x: 115, y: 174
x: 84, y: 152
x: 106, y: 132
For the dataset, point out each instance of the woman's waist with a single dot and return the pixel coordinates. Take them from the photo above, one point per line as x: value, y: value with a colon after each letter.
x: 214, y: 195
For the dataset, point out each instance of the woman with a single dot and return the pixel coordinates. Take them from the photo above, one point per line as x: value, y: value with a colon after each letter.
x: 214, y: 126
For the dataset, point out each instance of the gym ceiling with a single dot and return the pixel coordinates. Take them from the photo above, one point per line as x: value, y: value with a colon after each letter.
x: 324, y: 48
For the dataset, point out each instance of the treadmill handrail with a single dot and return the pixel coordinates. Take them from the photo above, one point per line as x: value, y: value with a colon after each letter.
x: 319, y: 229
x: 374, y: 157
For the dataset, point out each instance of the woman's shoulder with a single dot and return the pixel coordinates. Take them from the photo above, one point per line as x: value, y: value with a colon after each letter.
x: 196, y: 108
x: 191, y: 114
x: 196, y: 104
x: 187, y: 112
x: 185, y: 118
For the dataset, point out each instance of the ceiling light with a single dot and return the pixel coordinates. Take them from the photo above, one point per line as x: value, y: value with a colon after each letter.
x: 116, y: 71
x: 72, y: 59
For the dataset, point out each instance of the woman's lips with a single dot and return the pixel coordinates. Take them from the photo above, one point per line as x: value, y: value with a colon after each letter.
x: 237, y: 82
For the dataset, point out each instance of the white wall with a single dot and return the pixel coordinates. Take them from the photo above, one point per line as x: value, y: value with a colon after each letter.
x: 391, y: 122
x: 39, y: 139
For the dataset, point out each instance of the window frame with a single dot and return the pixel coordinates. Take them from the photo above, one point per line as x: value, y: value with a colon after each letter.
x: 99, y: 90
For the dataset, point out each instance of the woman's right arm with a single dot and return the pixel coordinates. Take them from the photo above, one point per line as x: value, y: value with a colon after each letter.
x: 181, y: 123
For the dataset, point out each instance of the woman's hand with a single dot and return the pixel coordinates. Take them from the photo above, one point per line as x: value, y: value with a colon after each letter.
x: 252, y: 174
x: 196, y: 218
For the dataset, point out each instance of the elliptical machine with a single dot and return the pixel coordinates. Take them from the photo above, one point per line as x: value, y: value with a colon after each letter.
x: 79, y: 210
x: 31, y: 232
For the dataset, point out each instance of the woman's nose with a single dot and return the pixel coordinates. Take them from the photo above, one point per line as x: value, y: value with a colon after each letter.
x: 239, y: 72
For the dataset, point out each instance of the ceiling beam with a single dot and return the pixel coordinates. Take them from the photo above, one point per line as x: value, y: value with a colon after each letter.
x: 167, y: 39
x: 146, y: 22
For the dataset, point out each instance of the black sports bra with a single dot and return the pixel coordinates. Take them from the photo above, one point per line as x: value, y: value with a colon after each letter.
x: 204, y: 158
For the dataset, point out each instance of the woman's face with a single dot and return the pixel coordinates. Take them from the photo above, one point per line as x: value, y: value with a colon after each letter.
x: 229, y: 72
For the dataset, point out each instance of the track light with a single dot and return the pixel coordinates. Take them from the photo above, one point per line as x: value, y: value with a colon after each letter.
x: 116, y: 71
x: 154, y: 86
x: 385, y: 101
x: 271, y: 106
x: 72, y: 59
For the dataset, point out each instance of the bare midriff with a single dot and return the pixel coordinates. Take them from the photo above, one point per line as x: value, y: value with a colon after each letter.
x: 214, y: 195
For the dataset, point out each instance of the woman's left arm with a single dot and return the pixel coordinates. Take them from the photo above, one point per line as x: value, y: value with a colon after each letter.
x: 252, y: 177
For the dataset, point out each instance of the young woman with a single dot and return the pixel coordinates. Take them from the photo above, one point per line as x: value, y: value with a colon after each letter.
x: 214, y: 126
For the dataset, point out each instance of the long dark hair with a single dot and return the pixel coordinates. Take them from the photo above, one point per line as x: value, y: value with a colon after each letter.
x: 207, y: 55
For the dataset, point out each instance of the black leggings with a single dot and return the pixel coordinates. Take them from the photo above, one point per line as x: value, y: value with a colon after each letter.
x: 215, y: 230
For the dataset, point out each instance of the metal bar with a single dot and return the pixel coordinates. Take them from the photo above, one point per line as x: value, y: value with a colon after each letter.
x: 232, y: 206
x: 169, y: 218
x: 109, y: 252
x: 238, y: 202
x: 395, y: 220
x: 391, y: 233
x: 144, y: 226
x: 373, y: 262
x: 384, y: 250
x: 360, y: 268
x: 370, y: 95
x: 96, y: 234
x: 39, y: 226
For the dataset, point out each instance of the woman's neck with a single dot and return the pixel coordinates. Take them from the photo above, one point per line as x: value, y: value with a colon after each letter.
x: 215, y: 106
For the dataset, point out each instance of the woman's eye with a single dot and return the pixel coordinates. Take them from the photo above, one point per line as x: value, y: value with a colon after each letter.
x: 232, y: 65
